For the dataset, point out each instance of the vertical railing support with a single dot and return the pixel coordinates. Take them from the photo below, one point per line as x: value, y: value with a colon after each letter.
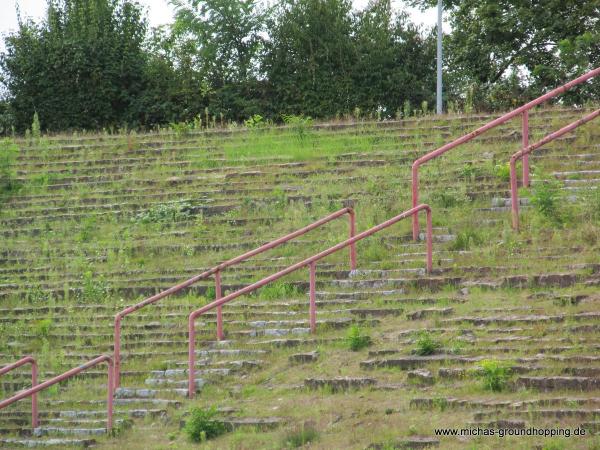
x: 191, y: 357
x: 219, y: 308
x: 514, y: 199
x: 429, y: 262
x: 524, y: 145
x: 352, y: 218
x: 313, y: 298
x: 110, y: 393
x: 415, y: 199
x: 34, y: 376
x: 117, y: 351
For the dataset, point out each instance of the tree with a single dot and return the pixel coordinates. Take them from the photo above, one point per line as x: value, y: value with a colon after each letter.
x: 310, y: 57
x: 523, y: 46
x: 395, y: 62
x: 82, y: 67
x: 223, y: 39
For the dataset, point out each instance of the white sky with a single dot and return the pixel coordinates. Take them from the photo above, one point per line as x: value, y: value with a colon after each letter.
x: 159, y: 12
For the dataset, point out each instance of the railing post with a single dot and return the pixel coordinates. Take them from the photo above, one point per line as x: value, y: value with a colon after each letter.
x: 429, y: 262
x: 524, y: 145
x: 117, y: 351
x: 219, y: 308
x: 352, y: 233
x: 191, y: 357
x: 34, y: 404
x: 110, y: 394
x: 514, y: 196
x: 313, y: 295
x: 415, y: 199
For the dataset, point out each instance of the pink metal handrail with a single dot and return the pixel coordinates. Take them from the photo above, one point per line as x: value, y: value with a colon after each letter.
x: 523, y: 110
x: 34, y: 374
x: 68, y: 374
x: 311, y: 263
x: 216, y: 271
x: 527, y: 150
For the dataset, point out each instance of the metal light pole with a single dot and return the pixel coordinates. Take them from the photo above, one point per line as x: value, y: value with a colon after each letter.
x: 439, y: 59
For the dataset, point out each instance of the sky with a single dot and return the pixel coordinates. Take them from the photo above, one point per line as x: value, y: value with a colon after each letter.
x: 159, y: 13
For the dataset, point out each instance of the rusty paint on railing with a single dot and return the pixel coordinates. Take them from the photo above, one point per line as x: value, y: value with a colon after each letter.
x: 311, y: 264
x: 68, y: 374
x: 523, y: 110
x: 521, y: 154
x: 34, y: 375
x: 216, y: 271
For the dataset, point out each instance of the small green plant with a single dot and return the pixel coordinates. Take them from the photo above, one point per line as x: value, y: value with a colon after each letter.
x: 93, y: 289
x: 36, y: 131
x: 255, y: 121
x: 495, y: 375
x: 503, y: 172
x: 300, y: 125
x: 165, y: 212
x: 546, y: 198
x: 301, y: 436
x: 406, y: 109
x: 449, y: 199
x: 42, y: 328
x: 426, y: 345
x: 357, y: 339
x: 202, y: 425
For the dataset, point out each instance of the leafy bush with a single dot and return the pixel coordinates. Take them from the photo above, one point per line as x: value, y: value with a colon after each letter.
x: 357, y: 339
x: 495, y: 375
x: 546, y: 199
x: 301, y: 436
x: 202, y: 425
x: 426, y: 345
x: 255, y: 121
x: 165, y: 212
x: 93, y: 289
x: 300, y: 125
x: 503, y: 172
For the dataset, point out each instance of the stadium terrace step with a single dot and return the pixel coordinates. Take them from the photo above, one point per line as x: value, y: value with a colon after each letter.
x: 559, y: 383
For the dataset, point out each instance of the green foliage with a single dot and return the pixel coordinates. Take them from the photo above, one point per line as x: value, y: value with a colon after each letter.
x: 300, y: 125
x: 300, y: 436
x: 93, y: 289
x: 357, y: 338
x: 202, y: 425
x: 42, y: 328
x: 165, y: 213
x: 426, y: 345
x: 495, y: 375
x: 503, y: 172
x: 278, y: 289
x: 465, y: 239
x: 8, y: 157
x: 546, y: 199
x: 255, y: 121
x: 81, y: 67
x: 36, y: 130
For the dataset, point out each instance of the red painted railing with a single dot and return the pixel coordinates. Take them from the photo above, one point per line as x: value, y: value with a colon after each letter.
x: 514, y: 196
x: 311, y: 264
x: 216, y: 271
x: 68, y: 374
x: 523, y: 110
x: 34, y: 374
